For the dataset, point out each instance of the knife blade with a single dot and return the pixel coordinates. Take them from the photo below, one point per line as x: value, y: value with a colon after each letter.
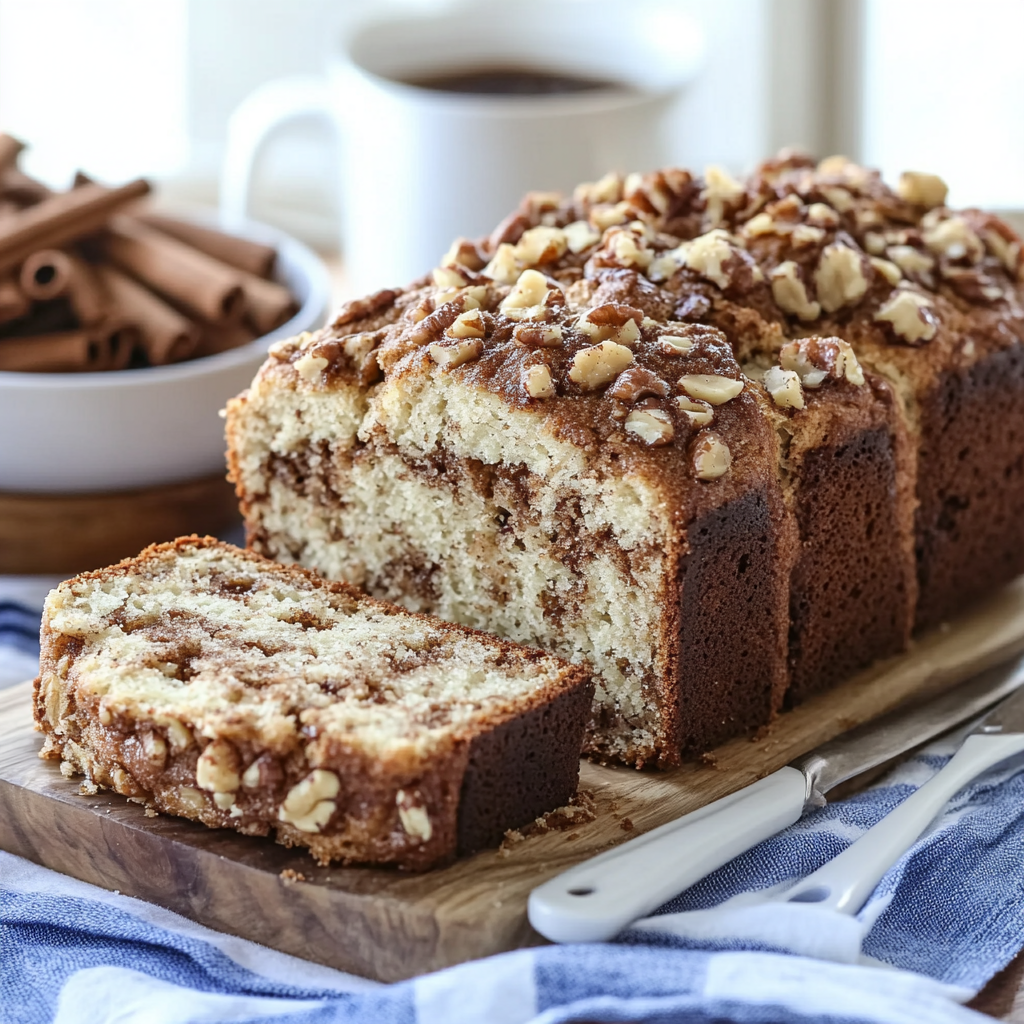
x: 596, y: 899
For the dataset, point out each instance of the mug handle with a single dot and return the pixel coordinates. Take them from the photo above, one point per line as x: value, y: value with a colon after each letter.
x: 263, y: 111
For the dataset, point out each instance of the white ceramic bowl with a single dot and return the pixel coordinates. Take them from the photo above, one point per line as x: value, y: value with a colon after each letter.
x: 75, y: 433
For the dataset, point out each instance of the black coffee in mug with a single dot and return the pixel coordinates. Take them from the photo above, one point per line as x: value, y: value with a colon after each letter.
x: 510, y: 81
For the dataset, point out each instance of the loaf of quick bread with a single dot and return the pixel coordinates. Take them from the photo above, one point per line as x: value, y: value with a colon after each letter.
x: 721, y: 440
x: 207, y: 682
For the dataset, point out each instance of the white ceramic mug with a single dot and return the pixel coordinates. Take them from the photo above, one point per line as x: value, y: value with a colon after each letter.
x: 419, y: 166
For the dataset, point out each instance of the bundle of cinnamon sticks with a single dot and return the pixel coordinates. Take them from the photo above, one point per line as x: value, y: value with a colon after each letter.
x: 94, y: 279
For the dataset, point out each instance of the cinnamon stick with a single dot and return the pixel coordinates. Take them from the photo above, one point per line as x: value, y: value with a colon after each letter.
x: 241, y: 253
x: 52, y: 353
x: 267, y: 303
x: 203, y: 286
x: 10, y: 148
x: 13, y: 301
x: 165, y: 334
x: 22, y: 190
x: 51, y: 273
x: 61, y: 218
x: 221, y: 338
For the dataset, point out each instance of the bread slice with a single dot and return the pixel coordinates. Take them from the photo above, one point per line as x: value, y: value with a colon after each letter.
x: 208, y: 682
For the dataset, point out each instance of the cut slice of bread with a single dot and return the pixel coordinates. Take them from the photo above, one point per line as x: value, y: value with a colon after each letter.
x: 208, y: 682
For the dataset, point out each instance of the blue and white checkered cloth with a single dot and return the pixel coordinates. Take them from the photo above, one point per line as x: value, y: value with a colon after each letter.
x: 942, y: 922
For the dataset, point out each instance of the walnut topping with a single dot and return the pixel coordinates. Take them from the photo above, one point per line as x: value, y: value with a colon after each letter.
x: 537, y: 336
x: 711, y: 456
x: 604, y: 217
x: 838, y: 198
x: 537, y: 381
x: 790, y: 292
x: 579, y: 236
x: 840, y: 279
x: 821, y: 215
x: 607, y: 190
x: 310, y: 804
x: 528, y: 299
x: 814, y: 359
x: 911, y: 261
x: 807, y: 234
x: 698, y: 413
x: 889, y: 271
x: 652, y: 426
x: 309, y: 366
x: 675, y: 344
x: 598, y: 365
x: 449, y: 354
x: 784, y: 387
x: 154, y: 749
x: 708, y: 254
x: 874, y: 243
x: 470, y: 324
x: 625, y: 250
x: 635, y: 383
x: 720, y: 190
x: 540, y: 245
x: 503, y: 267
x: 217, y: 768
x: 710, y: 387
x: 1006, y: 250
x: 760, y: 224
x: 413, y: 817
x: 922, y: 189
x: 449, y: 277
x: 358, y: 309
x: 612, y: 321
x: 910, y: 315
x: 952, y: 238
x: 463, y: 252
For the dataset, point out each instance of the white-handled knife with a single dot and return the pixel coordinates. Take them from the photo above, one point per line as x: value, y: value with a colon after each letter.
x: 595, y: 900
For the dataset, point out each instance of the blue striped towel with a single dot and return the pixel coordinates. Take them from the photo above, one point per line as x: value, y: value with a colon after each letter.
x: 946, y: 918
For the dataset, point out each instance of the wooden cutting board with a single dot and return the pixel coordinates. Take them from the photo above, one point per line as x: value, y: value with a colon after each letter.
x: 389, y: 925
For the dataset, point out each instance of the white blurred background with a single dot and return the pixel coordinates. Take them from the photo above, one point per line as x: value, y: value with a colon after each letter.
x: 128, y: 87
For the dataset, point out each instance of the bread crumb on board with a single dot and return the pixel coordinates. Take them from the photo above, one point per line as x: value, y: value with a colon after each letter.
x: 580, y: 810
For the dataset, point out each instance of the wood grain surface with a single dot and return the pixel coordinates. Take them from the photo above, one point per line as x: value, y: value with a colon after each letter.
x: 390, y: 925
x: 56, y: 534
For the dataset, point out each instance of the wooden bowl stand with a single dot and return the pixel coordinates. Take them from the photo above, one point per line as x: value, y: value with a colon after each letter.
x: 64, y: 534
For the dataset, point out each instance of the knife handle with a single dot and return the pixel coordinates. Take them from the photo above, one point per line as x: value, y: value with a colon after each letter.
x: 846, y: 882
x: 595, y: 900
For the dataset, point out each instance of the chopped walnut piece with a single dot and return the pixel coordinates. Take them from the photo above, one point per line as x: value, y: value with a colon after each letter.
x: 874, y: 243
x: 503, y: 267
x: 822, y: 215
x: 605, y: 217
x: 814, y: 359
x: 537, y: 381
x: 838, y: 198
x: 698, y: 413
x: 636, y: 383
x: 537, y: 336
x: 359, y: 309
x: 840, y: 279
x: 310, y: 803
x: 910, y: 316
x: 710, y: 387
x: 720, y: 190
x: 612, y: 321
x: 607, y: 190
x: 910, y: 260
x: 784, y: 387
x: 790, y: 292
x: 598, y: 365
x: 450, y: 355
x: 527, y: 300
x: 889, y: 271
x: 623, y: 248
x: 540, y: 245
x: 449, y: 277
x: 217, y: 768
x: 1005, y: 249
x: 470, y: 324
x: 807, y: 234
x: 707, y: 255
x: 579, y: 235
x: 465, y: 253
x: 414, y: 818
x: 652, y: 426
x: 675, y: 344
x: 711, y: 456
x: 922, y: 189
x: 309, y: 367
x: 953, y: 238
